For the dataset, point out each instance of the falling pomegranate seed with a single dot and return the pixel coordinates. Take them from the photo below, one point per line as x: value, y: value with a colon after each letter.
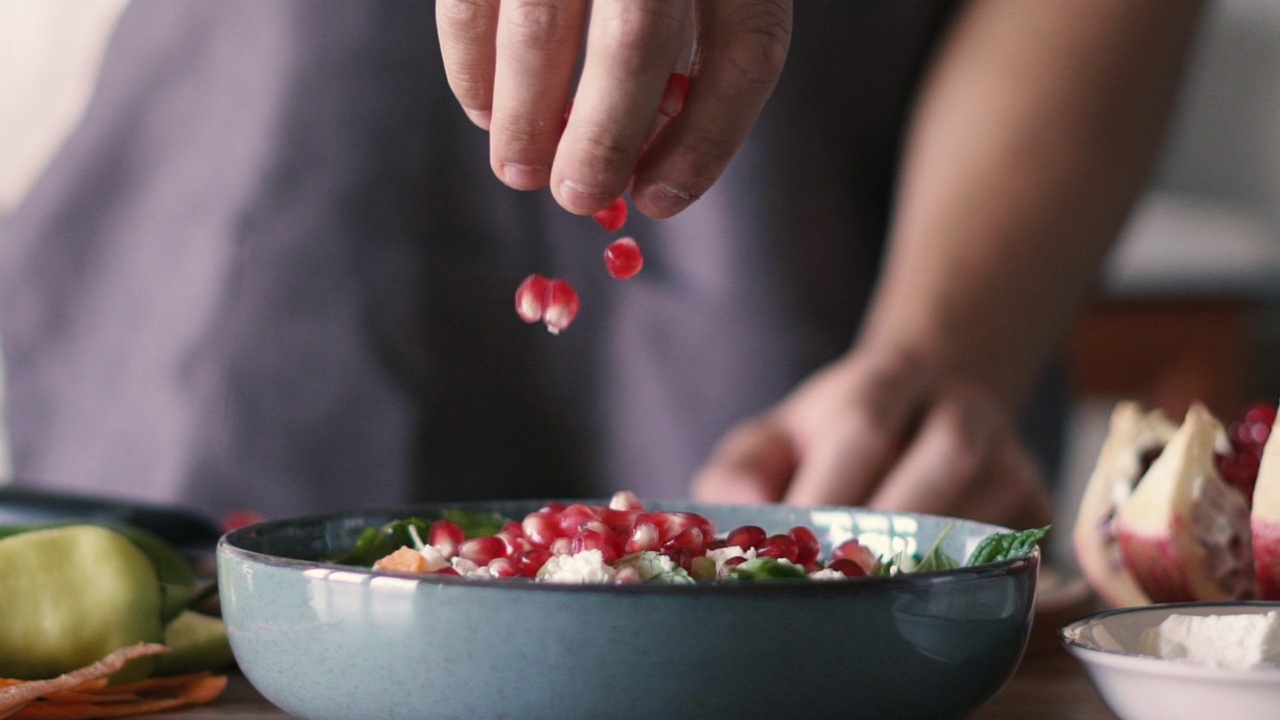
x: 673, y: 97
x: 531, y: 298
x: 561, y: 306
x: 613, y: 217
x: 623, y: 258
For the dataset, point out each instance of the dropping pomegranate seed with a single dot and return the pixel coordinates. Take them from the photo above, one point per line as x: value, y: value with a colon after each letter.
x: 562, y: 305
x: 531, y: 298
x: 623, y: 259
x: 613, y: 217
x: 747, y: 536
x: 807, y: 546
x: 673, y: 97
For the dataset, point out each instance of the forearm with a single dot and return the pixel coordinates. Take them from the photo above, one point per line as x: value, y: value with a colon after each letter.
x: 1035, y: 132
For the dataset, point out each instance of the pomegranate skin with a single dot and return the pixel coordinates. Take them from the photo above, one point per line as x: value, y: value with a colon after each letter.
x: 1265, y: 518
x: 1132, y: 434
x: 1184, y: 532
x: 1266, y: 558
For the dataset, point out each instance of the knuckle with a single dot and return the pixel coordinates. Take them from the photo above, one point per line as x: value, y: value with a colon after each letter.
x: 468, y: 19
x: 606, y: 153
x: 538, y: 23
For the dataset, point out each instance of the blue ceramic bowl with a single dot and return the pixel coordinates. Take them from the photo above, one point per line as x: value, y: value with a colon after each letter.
x: 323, y: 640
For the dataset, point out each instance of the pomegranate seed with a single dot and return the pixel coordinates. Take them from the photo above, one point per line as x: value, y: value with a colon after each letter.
x: 482, y: 550
x: 625, y: 500
x: 541, y: 528
x: 531, y: 298
x: 623, y: 259
x: 734, y: 562
x: 553, y: 507
x: 446, y: 536
x: 1261, y: 413
x: 848, y: 567
x: 853, y: 550
x: 689, y: 539
x: 807, y: 546
x: 573, y: 516
x: 681, y: 557
x: 619, y: 521
x: 513, y: 540
x: 503, y: 568
x: 561, y: 546
x: 673, y: 97
x: 781, y: 547
x: 531, y: 561
x: 644, y: 536
x: 592, y: 540
x: 446, y: 570
x: 746, y: 537
x: 562, y: 305
x: 613, y: 217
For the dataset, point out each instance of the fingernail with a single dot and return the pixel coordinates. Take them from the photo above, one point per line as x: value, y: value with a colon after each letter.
x: 579, y: 201
x: 664, y: 200
x: 481, y: 118
x: 524, y: 177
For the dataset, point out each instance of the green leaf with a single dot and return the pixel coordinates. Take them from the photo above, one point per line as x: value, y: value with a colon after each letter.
x: 767, y: 568
x: 936, y: 559
x: 377, y: 543
x: 476, y: 524
x: 1005, y: 546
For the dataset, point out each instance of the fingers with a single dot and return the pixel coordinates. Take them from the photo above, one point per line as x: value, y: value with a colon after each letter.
x: 752, y: 464
x: 956, y: 442
x: 537, y: 50
x: 632, y: 48
x: 742, y: 47
x: 468, y: 31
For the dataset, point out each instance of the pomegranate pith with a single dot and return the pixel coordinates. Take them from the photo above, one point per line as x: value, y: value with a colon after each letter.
x: 1265, y: 517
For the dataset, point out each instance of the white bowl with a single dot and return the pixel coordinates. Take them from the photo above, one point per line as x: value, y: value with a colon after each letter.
x: 1140, y: 686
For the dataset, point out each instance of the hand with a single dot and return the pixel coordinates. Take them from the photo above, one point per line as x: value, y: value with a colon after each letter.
x: 885, y: 432
x: 511, y: 63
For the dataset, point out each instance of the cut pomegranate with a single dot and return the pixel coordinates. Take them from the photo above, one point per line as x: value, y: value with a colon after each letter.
x: 531, y: 298
x: 562, y: 305
x: 613, y: 217
x: 1184, y: 532
x: 623, y: 259
x: 1265, y: 518
x: 673, y: 97
x: 1134, y: 441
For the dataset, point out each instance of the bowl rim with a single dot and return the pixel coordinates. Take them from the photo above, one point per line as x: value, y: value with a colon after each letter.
x: 1090, y: 653
x: 227, y: 546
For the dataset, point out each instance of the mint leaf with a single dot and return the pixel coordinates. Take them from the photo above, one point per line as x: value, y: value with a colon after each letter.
x: 1004, y: 546
x: 476, y: 524
x: 935, y: 559
x: 767, y: 568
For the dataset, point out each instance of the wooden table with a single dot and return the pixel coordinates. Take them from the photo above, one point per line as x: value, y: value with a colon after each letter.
x: 1050, y: 685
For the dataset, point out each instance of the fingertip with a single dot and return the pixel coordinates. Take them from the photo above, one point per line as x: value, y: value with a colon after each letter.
x: 519, y: 176
x: 480, y: 118
x: 579, y: 200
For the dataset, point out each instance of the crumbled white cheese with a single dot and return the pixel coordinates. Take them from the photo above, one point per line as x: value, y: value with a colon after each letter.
x: 1234, y: 641
x: 827, y: 574
x: 434, y: 557
x: 469, y: 569
x: 721, y: 555
x: 585, y: 567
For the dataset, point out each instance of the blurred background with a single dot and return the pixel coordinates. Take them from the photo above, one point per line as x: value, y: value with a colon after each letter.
x: 1187, y: 308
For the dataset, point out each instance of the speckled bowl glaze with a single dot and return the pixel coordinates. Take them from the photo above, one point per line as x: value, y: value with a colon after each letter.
x: 1137, y: 686
x: 330, y: 641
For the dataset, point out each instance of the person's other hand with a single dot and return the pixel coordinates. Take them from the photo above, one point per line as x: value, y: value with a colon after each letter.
x: 511, y: 65
x: 885, y: 432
